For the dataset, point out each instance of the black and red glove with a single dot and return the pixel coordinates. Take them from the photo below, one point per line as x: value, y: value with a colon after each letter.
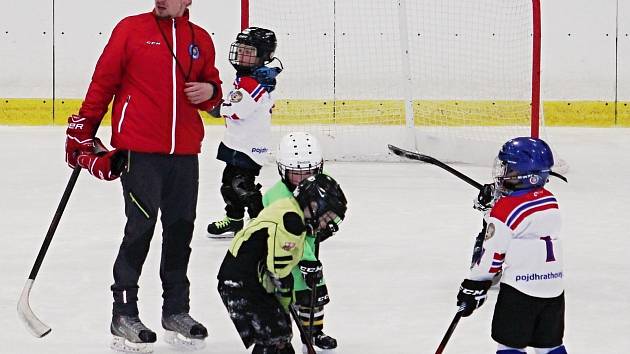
x: 79, y: 138
x: 106, y: 166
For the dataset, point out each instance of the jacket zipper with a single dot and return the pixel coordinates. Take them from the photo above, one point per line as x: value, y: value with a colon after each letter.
x: 122, y: 115
x: 174, y: 89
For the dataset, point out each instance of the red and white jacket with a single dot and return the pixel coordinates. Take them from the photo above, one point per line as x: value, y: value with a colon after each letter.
x: 150, y: 112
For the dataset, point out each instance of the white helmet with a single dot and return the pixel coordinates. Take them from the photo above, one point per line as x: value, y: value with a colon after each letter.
x: 300, y: 154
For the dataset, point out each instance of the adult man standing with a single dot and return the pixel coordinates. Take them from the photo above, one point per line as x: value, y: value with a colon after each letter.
x: 159, y: 68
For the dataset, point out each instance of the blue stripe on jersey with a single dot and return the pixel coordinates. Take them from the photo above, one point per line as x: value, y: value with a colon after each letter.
x: 256, y: 91
x: 516, y: 212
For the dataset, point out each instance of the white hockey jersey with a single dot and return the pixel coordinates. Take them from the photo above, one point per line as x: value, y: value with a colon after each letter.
x: 247, y: 113
x: 523, y: 241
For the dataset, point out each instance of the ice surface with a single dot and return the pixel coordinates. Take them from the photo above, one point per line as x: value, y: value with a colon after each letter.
x: 393, y: 270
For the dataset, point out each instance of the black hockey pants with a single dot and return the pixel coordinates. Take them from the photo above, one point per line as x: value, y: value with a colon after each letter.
x: 257, y: 315
x: 153, y: 182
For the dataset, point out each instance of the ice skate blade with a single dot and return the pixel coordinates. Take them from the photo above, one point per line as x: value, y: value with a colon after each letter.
x: 223, y: 236
x: 183, y: 343
x: 317, y: 350
x: 122, y: 345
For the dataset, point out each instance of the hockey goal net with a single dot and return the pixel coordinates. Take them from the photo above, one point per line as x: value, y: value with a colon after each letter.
x: 450, y: 78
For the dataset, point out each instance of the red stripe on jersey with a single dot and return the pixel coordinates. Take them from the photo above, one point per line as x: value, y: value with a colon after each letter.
x: 248, y: 84
x: 494, y: 270
x: 262, y: 92
x: 530, y: 212
x: 505, y: 205
x: 499, y: 256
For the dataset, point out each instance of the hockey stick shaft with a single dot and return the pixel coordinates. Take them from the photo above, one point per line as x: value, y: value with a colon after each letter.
x: 428, y: 159
x: 311, y: 318
x: 55, y: 222
x: 298, y: 322
x: 449, y: 331
x: 36, y: 326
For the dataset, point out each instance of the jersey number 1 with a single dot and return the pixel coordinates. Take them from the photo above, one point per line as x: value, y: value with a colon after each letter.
x: 549, y: 245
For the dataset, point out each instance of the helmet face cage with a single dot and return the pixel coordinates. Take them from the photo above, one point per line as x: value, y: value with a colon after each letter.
x: 299, y: 156
x: 321, y: 195
x: 262, y: 40
x: 292, y: 176
x: 244, y: 55
x: 522, y: 163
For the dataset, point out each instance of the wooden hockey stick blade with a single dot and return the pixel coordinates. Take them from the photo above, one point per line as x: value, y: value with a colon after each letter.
x: 432, y: 160
x: 33, y: 324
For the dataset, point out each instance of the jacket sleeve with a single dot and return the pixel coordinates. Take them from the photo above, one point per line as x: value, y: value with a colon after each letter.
x: 107, y: 76
x: 210, y: 74
x: 242, y: 101
x: 496, y: 241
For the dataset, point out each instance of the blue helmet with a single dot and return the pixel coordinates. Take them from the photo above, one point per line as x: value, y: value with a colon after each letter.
x: 522, y: 163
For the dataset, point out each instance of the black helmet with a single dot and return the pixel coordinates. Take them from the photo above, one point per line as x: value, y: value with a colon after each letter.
x: 262, y: 39
x: 326, y: 193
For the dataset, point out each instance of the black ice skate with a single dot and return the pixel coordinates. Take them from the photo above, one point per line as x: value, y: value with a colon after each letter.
x: 183, y: 332
x: 225, y: 228
x: 131, y: 335
x: 321, y: 341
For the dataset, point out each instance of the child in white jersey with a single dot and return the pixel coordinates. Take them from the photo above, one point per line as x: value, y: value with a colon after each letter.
x: 521, y: 242
x: 247, y: 114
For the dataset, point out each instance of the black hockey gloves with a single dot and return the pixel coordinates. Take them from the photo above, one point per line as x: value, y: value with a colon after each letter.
x: 485, y: 198
x: 312, y: 272
x: 472, y: 294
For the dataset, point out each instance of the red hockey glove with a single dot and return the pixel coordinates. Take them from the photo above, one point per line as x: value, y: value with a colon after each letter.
x: 79, y: 138
x: 107, y: 166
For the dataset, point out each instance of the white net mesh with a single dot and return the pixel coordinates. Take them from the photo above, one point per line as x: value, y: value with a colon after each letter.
x: 451, y: 78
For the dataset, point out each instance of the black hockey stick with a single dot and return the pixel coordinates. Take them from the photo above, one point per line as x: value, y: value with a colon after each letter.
x: 34, y: 324
x: 432, y: 160
x: 311, y: 318
x: 450, y: 330
x: 298, y: 322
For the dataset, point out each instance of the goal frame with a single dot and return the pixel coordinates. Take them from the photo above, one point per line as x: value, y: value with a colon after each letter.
x: 535, y: 115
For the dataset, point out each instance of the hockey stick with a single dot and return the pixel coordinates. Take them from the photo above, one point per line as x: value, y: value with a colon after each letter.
x: 34, y: 324
x: 450, y: 330
x: 298, y: 322
x: 311, y: 317
x: 428, y: 159
x: 432, y: 160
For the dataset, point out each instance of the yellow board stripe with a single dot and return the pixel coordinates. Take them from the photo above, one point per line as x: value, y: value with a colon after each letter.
x: 34, y: 111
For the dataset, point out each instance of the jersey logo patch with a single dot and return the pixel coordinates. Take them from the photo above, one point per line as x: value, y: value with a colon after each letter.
x: 489, y: 231
x: 288, y: 246
x: 236, y: 96
x: 193, y: 51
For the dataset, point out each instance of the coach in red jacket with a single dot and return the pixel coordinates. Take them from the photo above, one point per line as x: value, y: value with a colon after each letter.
x: 159, y: 68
